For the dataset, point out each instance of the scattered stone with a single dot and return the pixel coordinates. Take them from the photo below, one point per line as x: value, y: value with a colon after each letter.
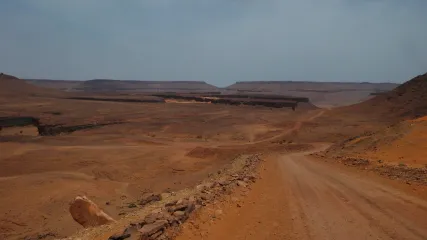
x: 150, y: 229
x: 153, y: 217
x: 149, y: 198
x: 157, y: 210
x: 171, y: 203
x: 163, y: 237
x: 181, y: 201
x: 48, y: 235
x: 251, y: 177
x: 206, y: 191
x: 178, y: 207
x: 190, y: 208
x: 241, y: 184
x: 132, y: 229
x: 202, y: 187
x: 205, y: 196
x: 192, y: 199
x: 164, y: 195
x: 119, y: 236
x: 87, y: 213
x: 156, y: 235
x: 218, y: 213
x: 179, y: 213
x: 224, y: 182
x: 132, y: 205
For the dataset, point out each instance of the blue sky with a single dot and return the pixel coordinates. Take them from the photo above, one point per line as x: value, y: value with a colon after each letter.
x: 218, y: 41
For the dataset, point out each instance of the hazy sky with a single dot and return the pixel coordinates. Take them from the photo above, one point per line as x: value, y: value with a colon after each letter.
x: 218, y: 41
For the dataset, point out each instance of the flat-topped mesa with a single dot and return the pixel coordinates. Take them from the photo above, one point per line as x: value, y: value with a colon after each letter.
x: 328, y: 94
x: 65, y: 85
x: 143, y: 81
x: 144, y: 86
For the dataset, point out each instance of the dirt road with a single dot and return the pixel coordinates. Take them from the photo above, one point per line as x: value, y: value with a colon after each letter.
x: 301, y: 198
x: 298, y: 124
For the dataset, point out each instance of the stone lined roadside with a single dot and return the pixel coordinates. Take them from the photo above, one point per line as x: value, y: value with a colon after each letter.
x: 164, y: 222
x: 161, y: 215
x: 394, y: 171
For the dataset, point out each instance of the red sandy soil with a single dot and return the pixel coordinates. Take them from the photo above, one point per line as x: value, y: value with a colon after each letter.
x: 298, y: 197
x: 402, y: 143
x: 304, y: 197
x: 158, y: 147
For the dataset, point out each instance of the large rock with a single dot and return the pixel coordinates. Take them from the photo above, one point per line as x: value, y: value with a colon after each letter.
x: 87, y: 213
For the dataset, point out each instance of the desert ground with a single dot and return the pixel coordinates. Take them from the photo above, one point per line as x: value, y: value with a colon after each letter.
x: 160, y: 147
x: 354, y: 172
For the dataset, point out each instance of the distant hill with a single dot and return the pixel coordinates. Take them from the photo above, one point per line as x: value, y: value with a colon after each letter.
x: 144, y: 86
x: 328, y: 94
x: 14, y: 87
x: 405, y: 140
x: 108, y: 85
x: 65, y: 85
x: 407, y: 101
x: 323, y: 94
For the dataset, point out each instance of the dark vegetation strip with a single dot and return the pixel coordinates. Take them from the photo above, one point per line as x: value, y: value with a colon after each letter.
x: 266, y: 97
x: 182, y: 97
x: 244, y: 96
x: 157, y: 100
x: 266, y: 103
x: 234, y: 101
x: 52, y: 130
x: 378, y: 93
